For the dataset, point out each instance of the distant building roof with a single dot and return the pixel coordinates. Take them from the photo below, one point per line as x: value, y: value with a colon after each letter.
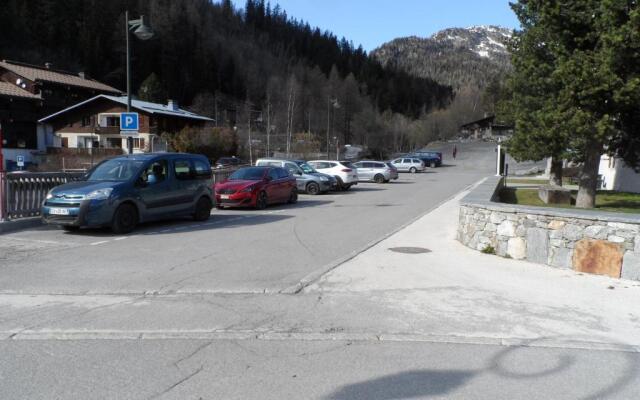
x: 11, y: 90
x: 144, y: 106
x: 487, y: 121
x: 38, y: 73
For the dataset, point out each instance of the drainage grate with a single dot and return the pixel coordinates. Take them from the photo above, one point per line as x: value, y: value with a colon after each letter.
x: 410, y: 250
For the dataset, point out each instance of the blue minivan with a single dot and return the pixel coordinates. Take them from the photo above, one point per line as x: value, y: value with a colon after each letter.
x: 123, y: 191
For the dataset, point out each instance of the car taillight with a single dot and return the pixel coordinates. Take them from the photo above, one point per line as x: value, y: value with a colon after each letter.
x: 347, y: 170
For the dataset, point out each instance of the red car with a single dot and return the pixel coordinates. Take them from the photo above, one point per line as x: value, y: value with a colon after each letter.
x: 256, y: 187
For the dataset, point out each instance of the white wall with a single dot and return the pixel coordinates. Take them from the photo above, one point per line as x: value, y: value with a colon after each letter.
x: 618, y: 176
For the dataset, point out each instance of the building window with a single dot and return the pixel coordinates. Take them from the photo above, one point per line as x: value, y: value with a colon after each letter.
x: 114, y: 143
x: 113, y: 121
x: 138, y: 143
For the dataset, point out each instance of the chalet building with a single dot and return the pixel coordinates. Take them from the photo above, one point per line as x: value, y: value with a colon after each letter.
x: 95, y: 123
x: 486, y: 128
x: 30, y: 92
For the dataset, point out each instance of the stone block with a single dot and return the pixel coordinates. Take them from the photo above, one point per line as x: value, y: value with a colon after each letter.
x: 556, y: 225
x: 637, y: 248
x: 497, y: 218
x: 598, y: 257
x: 631, y: 266
x: 595, y: 232
x: 573, y: 232
x: 555, y: 234
x: 512, y: 217
x: 554, y: 194
x: 615, y: 239
x: 560, y: 257
x: 557, y: 243
x: 501, y: 250
x: 521, y: 231
x: 491, y: 228
x: 517, y: 248
x: 625, y: 234
x: 625, y: 227
x: 507, y: 228
x: 537, y: 245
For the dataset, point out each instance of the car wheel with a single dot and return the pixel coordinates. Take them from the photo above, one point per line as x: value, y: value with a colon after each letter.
x: 125, y: 219
x: 379, y: 178
x: 219, y: 207
x: 293, y: 197
x: 413, y: 170
x: 313, y: 188
x: 340, y: 184
x: 261, y: 202
x: 346, y: 188
x: 433, y: 164
x: 70, y: 228
x: 203, y: 209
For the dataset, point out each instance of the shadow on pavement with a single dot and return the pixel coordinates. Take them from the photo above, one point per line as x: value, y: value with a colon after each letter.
x: 405, y: 385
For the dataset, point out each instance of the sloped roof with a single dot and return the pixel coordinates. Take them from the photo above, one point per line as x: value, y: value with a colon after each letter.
x: 35, y: 73
x: 11, y: 90
x: 144, y: 106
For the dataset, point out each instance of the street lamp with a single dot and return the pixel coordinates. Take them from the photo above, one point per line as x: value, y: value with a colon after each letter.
x: 143, y: 31
x: 330, y: 102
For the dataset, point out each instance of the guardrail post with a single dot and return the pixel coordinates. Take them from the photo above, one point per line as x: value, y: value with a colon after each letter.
x: 3, y: 196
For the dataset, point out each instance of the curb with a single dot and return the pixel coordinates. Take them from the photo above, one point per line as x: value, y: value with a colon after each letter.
x: 19, y: 224
x: 316, y: 275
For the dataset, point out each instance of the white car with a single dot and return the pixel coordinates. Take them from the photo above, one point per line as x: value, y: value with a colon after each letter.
x: 345, y: 173
x: 406, y: 164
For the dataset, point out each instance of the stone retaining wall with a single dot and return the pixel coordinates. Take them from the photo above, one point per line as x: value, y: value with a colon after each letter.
x: 587, y: 241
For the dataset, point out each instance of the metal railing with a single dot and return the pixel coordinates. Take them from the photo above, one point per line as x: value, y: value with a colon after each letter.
x: 22, y: 193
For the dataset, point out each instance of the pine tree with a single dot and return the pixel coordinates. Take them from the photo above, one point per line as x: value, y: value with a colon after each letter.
x: 151, y: 90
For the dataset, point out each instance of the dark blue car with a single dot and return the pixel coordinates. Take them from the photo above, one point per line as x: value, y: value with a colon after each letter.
x: 121, y: 192
x: 432, y: 159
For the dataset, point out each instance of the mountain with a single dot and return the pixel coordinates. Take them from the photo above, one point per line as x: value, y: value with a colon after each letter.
x: 459, y: 57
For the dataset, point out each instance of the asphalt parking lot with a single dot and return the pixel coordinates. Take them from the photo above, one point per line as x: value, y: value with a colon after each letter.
x: 236, y: 251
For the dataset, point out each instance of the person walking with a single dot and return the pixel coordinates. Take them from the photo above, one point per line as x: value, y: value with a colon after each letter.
x: 455, y: 151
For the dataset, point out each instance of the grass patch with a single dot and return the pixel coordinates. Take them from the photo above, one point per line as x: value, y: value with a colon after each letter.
x: 525, y: 181
x: 489, y: 250
x: 605, y: 200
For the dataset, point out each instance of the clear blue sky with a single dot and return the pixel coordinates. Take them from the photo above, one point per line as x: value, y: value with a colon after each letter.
x: 373, y: 22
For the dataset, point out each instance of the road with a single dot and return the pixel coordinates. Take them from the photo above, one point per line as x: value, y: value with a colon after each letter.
x: 213, y: 311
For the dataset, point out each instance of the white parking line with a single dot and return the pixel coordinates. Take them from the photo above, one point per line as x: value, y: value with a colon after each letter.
x: 99, y: 243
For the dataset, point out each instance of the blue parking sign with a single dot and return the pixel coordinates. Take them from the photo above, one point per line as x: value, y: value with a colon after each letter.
x: 129, y: 122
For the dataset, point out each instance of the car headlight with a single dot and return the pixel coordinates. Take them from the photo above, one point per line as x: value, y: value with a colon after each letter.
x: 324, y: 179
x: 100, y: 194
x: 248, y: 189
x: 49, y: 195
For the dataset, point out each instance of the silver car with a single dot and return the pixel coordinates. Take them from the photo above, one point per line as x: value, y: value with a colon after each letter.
x: 308, y: 180
x: 373, y: 171
x: 406, y: 164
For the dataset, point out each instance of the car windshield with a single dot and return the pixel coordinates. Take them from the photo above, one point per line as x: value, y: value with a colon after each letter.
x: 307, y: 169
x: 116, y: 170
x: 347, y: 164
x: 247, y: 174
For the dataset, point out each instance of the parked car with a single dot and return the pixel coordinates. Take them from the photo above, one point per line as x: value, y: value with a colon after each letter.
x: 407, y: 164
x: 394, y: 171
x: 344, y: 172
x: 256, y: 187
x: 123, y: 191
x: 307, y: 179
x: 310, y: 170
x: 226, y: 162
x: 430, y: 158
x: 373, y: 171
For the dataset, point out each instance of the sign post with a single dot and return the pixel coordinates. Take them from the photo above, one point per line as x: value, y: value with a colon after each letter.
x: 129, y: 126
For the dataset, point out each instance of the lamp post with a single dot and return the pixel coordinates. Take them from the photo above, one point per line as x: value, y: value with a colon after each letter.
x: 330, y: 102
x: 143, y: 31
x: 259, y: 119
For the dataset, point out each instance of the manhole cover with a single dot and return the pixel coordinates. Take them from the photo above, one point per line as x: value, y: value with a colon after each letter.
x: 410, y: 250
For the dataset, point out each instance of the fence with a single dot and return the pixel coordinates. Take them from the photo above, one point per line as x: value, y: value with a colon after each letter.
x: 22, y: 193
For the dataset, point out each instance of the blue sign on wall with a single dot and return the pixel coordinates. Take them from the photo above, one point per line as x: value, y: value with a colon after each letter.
x: 129, y: 122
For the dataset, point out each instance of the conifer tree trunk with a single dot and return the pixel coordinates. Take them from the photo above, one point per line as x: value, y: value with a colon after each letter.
x: 555, y: 175
x: 589, y: 177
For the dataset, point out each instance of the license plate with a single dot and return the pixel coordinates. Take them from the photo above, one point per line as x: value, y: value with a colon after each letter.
x: 224, y: 196
x: 58, y: 211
